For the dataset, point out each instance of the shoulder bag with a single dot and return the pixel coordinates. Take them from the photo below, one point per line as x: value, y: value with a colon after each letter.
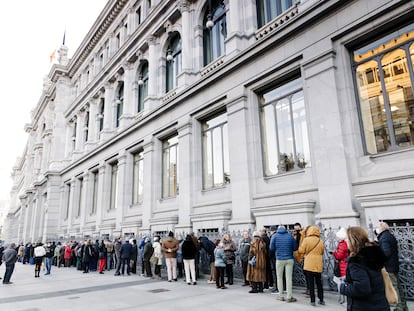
x: 390, y: 292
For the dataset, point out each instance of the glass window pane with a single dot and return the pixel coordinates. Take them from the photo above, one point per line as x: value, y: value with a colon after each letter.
x: 270, y: 156
x: 166, y: 173
x: 226, y: 161
x: 301, y: 131
x: 372, y: 108
x: 285, y: 136
x: 218, y: 157
x: 400, y: 95
x: 208, y: 160
x: 215, y: 152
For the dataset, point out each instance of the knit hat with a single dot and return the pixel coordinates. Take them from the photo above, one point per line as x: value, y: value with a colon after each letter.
x: 256, y: 233
x: 170, y: 234
x: 341, y: 234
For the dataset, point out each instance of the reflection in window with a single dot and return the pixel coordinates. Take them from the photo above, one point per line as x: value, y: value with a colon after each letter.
x: 385, y: 90
x: 267, y: 10
x: 284, y: 129
x: 114, y: 185
x: 173, y: 59
x: 213, y: 39
x: 142, y: 85
x: 216, y: 168
x: 170, y: 167
x: 138, y: 178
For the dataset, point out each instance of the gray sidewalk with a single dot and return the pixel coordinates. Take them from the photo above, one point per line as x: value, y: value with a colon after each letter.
x: 69, y: 289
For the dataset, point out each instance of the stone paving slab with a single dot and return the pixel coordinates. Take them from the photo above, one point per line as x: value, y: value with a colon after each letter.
x: 69, y: 289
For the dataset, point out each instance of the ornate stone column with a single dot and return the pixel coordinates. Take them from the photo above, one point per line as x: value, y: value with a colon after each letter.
x: 240, y: 175
x: 186, y: 36
x: 108, y: 112
x: 102, y: 202
x: 129, y: 104
x: 185, y: 168
x: 334, y: 189
x: 149, y: 184
x: 121, y: 195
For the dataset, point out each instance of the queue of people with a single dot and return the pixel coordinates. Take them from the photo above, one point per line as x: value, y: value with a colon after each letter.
x: 267, y: 261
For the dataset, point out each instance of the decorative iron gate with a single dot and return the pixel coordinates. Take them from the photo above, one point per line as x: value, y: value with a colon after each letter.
x: 403, y: 231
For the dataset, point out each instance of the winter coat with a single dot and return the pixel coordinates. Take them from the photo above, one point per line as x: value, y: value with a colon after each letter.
x: 364, y: 286
x: 389, y: 246
x: 148, y: 251
x: 134, y: 252
x: 68, y: 252
x: 125, y: 250
x: 189, y: 249
x: 171, y: 244
x: 102, y: 252
x: 229, y: 250
x: 87, y: 254
x: 157, y: 252
x: 9, y: 256
x: 219, y: 257
x: 341, y: 254
x: 208, y: 246
x: 257, y: 273
x: 312, y: 248
x: 283, y: 244
x: 244, y: 248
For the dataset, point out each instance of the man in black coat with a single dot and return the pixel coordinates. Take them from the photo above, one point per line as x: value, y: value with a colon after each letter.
x: 125, y: 253
x: 389, y: 246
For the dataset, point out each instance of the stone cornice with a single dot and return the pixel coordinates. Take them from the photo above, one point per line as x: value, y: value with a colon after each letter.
x: 108, y: 15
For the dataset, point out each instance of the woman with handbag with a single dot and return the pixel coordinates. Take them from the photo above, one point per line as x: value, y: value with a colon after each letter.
x: 229, y: 251
x: 256, y: 269
x: 156, y: 245
x: 364, y: 285
x: 312, y: 248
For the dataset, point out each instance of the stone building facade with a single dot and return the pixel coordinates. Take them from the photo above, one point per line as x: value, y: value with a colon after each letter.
x: 209, y: 115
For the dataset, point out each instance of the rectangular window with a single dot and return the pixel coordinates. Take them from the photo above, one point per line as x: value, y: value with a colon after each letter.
x: 216, y: 168
x: 95, y: 179
x: 170, y: 167
x: 383, y: 76
x: 117, y: 41
x: 114, y: 185
x: 138, y: 178
x: 138, y: 14
x: 284, y: 129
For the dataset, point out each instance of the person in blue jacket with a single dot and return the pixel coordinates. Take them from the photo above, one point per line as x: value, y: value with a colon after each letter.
x: 283, y: 245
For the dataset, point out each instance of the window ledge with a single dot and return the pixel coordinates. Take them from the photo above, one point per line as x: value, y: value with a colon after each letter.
x: 277, y: 22
x: 390, y: 153
x: 279, y: 175
x: 215, y: 188
x: 212, y: 66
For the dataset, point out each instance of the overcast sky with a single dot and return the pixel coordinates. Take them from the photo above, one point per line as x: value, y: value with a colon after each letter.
x: 29, y: 32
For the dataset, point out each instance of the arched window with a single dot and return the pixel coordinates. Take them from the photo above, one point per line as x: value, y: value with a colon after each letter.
x: 215, y: 31
x: 142, y: 85
x: 119, y: 103
x: 267, y: 10
x: 173, y: 59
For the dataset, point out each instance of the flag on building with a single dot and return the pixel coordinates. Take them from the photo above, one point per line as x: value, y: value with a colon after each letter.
x: 52, y: 56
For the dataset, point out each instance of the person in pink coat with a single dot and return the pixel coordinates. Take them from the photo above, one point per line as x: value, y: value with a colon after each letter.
x: 342, y: 251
